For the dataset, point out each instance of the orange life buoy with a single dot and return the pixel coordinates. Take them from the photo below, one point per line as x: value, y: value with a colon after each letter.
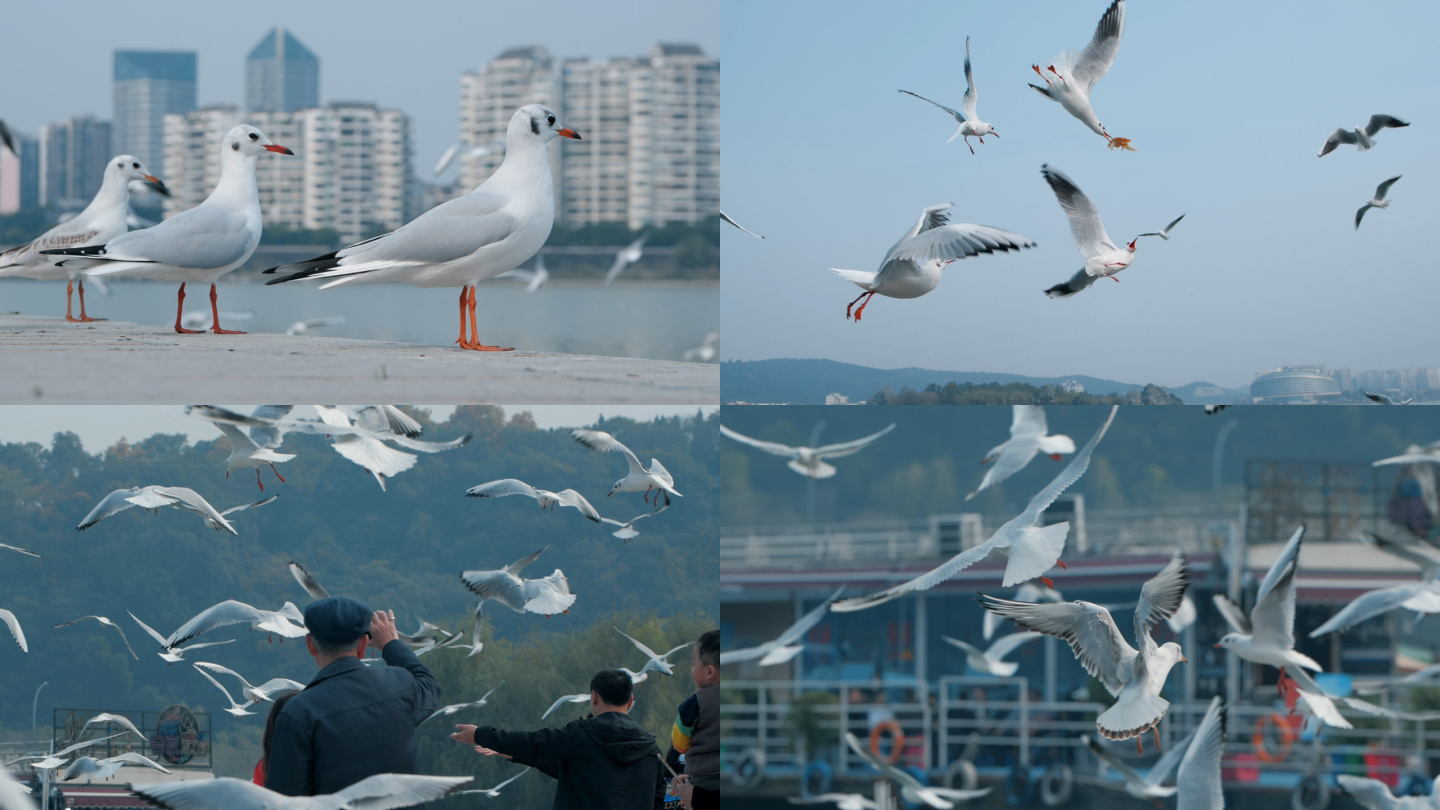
x: 897, y: 739
x: 1287, y: 737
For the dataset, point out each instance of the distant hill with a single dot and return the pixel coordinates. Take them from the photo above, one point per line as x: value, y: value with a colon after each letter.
x: 806, y: 382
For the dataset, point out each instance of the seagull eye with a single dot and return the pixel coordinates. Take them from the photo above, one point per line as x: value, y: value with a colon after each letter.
x: 551, y: 119
x: 136, y: 165
x: 254, y: 137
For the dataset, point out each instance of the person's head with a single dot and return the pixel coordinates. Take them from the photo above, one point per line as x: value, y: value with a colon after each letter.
x: 338, y: 627
x: 705, y: 659
x: 275, y: 710
x: 611, y: 691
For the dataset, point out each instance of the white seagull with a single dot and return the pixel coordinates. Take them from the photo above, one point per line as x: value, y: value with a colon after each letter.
x: 154, y: 497
x: 1164, y: 233
x: 380, y: 792
x: 268, y: 691
x: 496, y: 227
x: 658, y: 663
x: 107, y: 623
x: 236, y: 709
x: 809, y: 461
x: 1199, y: 775
x: 627, y: 256
x: 545, y: 596
x: 173, y: 652
x: 119, y: 720
x: 1134, y: 677
x: 1076, y: 72
x: 55, y: 760
x: 102, y: 220
x: 1102, y: 258
x: 199, y: 245
x: 1386, y: 399
x: 562, y: 701
x: 783, y: 647
x: 1372, y: 794
x: 1033, y: 549
x: 20, y: 550
x: 1378, y: 201
x: 988, y: 661
x: 532, y: 279
x: 546, y: 498
x: 304, y: 327
x: 969, y: 123
x: 911, y: 268
x: 245, y: 452
x: 910, y: 788
x: 288, y: 621
x: 15, y: 631
x: 1028, y: 437
x: 108, y: 767
x: 1423, y: 596
x: 1362, y: 137
x: 455, y: 707
x: 494, y: 792
x: 727, y: 218
x: 627, y: 529
x: 640, y: 478
x: 1147, y: 786
x: 308, y: 582
x: 1383, y: 711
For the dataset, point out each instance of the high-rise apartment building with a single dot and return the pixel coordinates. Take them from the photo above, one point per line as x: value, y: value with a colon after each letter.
x: 675, y: 140
x: 192, y: 154
x: 148, y: 86
x: 490, y: 97
x: 72, y: 158
x: 597, y: 171
x: 281, y: 75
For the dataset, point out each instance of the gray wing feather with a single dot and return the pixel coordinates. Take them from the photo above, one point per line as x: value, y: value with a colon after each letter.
x: 225, y: 613
x: 1097, y: 57
x: 968, y: 103
x: 1381, y: 121
x: 1199, y: 775
x: 958, y: 241
x: 202, y: 237
x: 447, y: 232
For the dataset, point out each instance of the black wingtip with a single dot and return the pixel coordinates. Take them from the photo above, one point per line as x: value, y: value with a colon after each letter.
x: 92, y: 250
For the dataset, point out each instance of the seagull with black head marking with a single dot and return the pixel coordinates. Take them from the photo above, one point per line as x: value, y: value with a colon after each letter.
x: 1102, y: 258
x: 640, y: 478
x: 1362, y: 137
x: 1378, y: 201
x: 1072, y: 75
x: 969, y: 123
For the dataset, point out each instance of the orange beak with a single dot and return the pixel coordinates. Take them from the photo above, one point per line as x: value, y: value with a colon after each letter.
x: 275, y: 147
x: 568, y: 133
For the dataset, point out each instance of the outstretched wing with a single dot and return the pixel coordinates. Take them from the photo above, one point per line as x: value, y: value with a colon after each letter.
x: 1160, y: 597
x: 1097, y: 57
x: 851, y: 447
x: 502, y: 488
x: 968, y: 103
x: 1004, y: 645
x: 190, y: 500
x: 1087, y: 627
x: 117, y: 501
x: 1199, y: 775
x: 772, y: 448
x: 1273, y: 618
x: 14, y: 625
x: 1085, y: 226
x: 311, y: 585
x: 1384, y: 188
x: 1371, y: 604
x: 226, y: 613
x: 244, y: 506
x: 1336, y: 138
x: 954, y: 242
x: 1381, y: 121
x: 959, y: 116
x: 605, y: 443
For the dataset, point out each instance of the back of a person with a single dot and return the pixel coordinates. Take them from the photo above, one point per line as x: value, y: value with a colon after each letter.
x: 623, y: 753
x: 353, y: 735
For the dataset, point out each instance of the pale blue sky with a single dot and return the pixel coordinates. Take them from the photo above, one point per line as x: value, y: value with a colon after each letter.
x: 1227, y: 103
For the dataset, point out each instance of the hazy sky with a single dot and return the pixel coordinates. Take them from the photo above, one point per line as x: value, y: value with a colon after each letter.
x: 100, y: 426
x: 59, y: 55
x: 1227, y: 103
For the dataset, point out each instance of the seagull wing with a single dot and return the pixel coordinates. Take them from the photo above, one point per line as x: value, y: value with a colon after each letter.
x: 851, y: 447
x: 243, y: 507
x: 1360, y: 214
x: 772, y: 448
x: 1126, y: 772
x: 153, y: 634
x: 1369, y: 605
x: 117, y: 501
x: 1382, y: 711
x: 502, y: 488
x: 1160, y: 597
x: 1273, y: 617
x: 219, y: 686
x: 968, y: 103
x: 14, y: 625
x: 239, y: 442
x: 1384, y: 188
x: 190, y: 500
x: 401, y: 423
x: 519, y: 565
x: 21, y: 550
x: 605, y: 443
x: 1004, y: 645
x: 797, y: 631
x: 1370, y: 793
x: 1336, y: 138
x: 954, y: 242
x: 1099, y: 55
x: 548, y: 595
x: 498, y: 585
x: 225, y: 613
x: 1428, y: 565
x: 1381, y: 121
x: 308, y: 582
x: 429, y: 447
x: 569, y: 497
x: 1173, y: 223
x: 727, y: 218
x: 890, y: 771
x: 959, y: 116
x: 280, y: 687
x: 374, y: 455
x: 562, y: 701
x: 268, y: 436
x: 1085, y: 226
x: 1013, y: 458
x: 649, y: 652
x: 1198, y: 778
x: 924, y: 582
x: 224, y: 793
x: 223, y: 671
x: 119, y: 720
x: 512, y: 779
x: 1087, y: 627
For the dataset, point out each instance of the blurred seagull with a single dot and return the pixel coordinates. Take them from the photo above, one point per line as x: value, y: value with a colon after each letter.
x: 1386, y: 399
x: 562, y: 701
x: 309, y: 583
x: 1199, y: 775
x: 1164, y: 233
x: 15, y: 631
x: 911, y: 790
x: 50, y: 761
x: 455, y: 707
x: 7, y: 139
x: 627, y: 530
x: 1423, y: 596
x: 173, y: 653
x: 119, y: 720
x: 1373, y: 794
x: 627, y: 256
x: 154, y: 497
x: 107, y: 768
x: 911, y: 268
x: 782, y: 648
x: 1362, y: 137
x: 809, y: 461
x: 381, y: 792
x: 1076, y: 73
x: 532, y: 279
x: 727, y: 218
x: 658, y: 663
x: 1147, y: 786
x: 241, y: 508
x: 267, y: 692
x: 1102, y: 258
x: 1387, y: 712
x: 288, y: 621
x: 304, y: 327
x: 842, y: 801
x: 1028, y: 437
x: 988, y: 661
x: 483, y: 150
x: 1378, y: 201
x: 236, y: 709
x: 546, y: 498
x: 545, y: 596
x: 107, y: 623
x: 17, y: 548
x: 708, y: 349
x: 654, y: 477
x: 494, y: 792
x: 969, y: 124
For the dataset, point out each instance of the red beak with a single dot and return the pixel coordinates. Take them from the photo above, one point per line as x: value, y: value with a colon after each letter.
x: 275, y: 147
x: 568, y: 133
x: 1132, y: 243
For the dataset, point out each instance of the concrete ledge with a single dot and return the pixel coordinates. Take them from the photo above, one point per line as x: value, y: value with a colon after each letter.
x: 49, y: 360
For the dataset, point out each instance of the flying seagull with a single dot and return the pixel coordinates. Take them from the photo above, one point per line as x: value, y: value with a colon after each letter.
x: 910, y: 788
x: 546, y: 498
x: 1378, y: 201
x: 174, y: 652
x: 546, y: 596
x: 1164, y: 233
x: 380, y: 792
x: 494, y: 792
x: 107, y: 623
x: 969, y: 123
x: 268, y: 691
x: 655, y: 477
x: 1102, y: 258
x: 1028, y: 437
x: 309, y: 583
x: 1385, y: 399
x: 727, y: 218
x: 627, y: 530
x: 455, y: 707
x: 783, y: 647
x: 988, y: 661
x: 809, y: 461
x: 1199, y: 775
x: 658, y: 663
x: 1362, y: 137
x: 627, y: 256
x: 154, y: 497
x: 1075, y: 73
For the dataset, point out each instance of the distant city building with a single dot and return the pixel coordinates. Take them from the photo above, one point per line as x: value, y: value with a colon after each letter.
x: 281, y: 75
x: 1072, y: 387
x: 72, y: 158
x: 490, y: 96
x: 675, y: 160
x: 192, y: 154
x: 837, y: 399
x: 1293, y: 385
x: 597, y: 104
x: 1342, y: 377
x: 20, y: 175
x: 148, y: 86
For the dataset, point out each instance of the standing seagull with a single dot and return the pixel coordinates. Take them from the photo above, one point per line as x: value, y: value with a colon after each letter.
x: 969, y: 123
x: 201, y: 244
x: 1076, y: 73
x: 809, y: 461
x: 1378, y: 201
x: 496, y: 227
x: 1102, y: 258
x: 1362, y: 137
x: 1164, y: 233
x: 1134, y: 677
x: 1028, y: 437
x: 655, y: 477
x: 912, y: 266
x: 727, y: 218
x: 102, y: 220
x: 107, y: 623
x: 627, y: 256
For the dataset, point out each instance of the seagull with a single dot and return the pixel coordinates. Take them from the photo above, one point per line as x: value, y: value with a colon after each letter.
x: 910, y: 788
x: 727, y: 218
x: 1027, y: 592
x: 1378, y: 201
x: 1184, y: 616
x: 494, y: 228
x: 1419, y: 460
x: 241, y: 508
x: 1147, y: 786
x: 627, y: 530
x: 657, y: 663
x: 627, y: 256
x: 245, y: 452
x: 199, y: 245
x: 1373, y: 794
x: 1383, y: 711
x: 988, y: 661
x: 479, y: 151
x: 311, y: 586
x: 1362, y: 137
x: 439, y: 643
x: 173, y: 652
x: 304, y: 327
x: 55, y: 760
x: 1077, y: 72
x: 635, y: 677
x: 911, y: 268
x: 1387, y: 684
x: 1385, y: 399
x: 783, y: 647
x: 1267, y: 635
x: 707, y: 350
x: 495, y: 791
x: 654, y: 477
x: 532, y: 279
x: 546, y: 498
x: 154, y: 497
x: 562, y: 701
x: 14, y: 625
x: 424, y: 635
x: 17, y: 548
x: 809, y: 461
x: 236, y: 709
x: 455, y: 707
x: 969, y: 124
x: 386, y: 790
x: 546, y: 596
x: 1423, y: 596
x: 843, y: 801
x: 1199, y: 775
x: 1102, y: 258
x: 1134, y: 677
x: 101, y: 221
x: 107, y: 768
x: 266, y: 692
x: 1033, y: 549
x: 1027, y: 438
x: 288, y: 621
x: 106, y: 622
x: 1164, y: 233
x: 119, y: 720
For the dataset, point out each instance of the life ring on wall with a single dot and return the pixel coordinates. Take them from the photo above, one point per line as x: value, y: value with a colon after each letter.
x: 1311, y: 794
x: 1056, y: 785
x: 749, y: 768
x: 897, y: 740
x: 1287, y: 737
x: 816, y: 779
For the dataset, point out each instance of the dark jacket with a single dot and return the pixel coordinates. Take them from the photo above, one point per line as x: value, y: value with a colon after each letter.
x: 602, y: 763
x: 351, y: 722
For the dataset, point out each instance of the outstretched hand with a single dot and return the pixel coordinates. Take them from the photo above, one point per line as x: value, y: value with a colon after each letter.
x: 490, y: 752
x: 466, y: 734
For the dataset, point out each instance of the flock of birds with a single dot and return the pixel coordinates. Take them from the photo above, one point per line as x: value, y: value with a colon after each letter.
x: 1134, y: 675
x: 361, y: 435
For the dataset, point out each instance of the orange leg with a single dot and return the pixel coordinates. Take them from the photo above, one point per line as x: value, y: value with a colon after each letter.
x: 464, y: 299
x: 277, y: 474
x: 1062, y: 564
x: 862, y: 306
x: 1036, y: 68
x: 475, y: 344
x: 69, y: 290
x: 1049, y: 583
x: 1157, y: 737
x: 83, y: 316
x: 179, y: 308
x: 853, y: 303
x: 215, y: 313
x: 258, y: 481
x: 1139, y: 746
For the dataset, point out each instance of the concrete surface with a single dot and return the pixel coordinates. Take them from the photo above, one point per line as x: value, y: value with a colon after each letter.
x: 49, y: 360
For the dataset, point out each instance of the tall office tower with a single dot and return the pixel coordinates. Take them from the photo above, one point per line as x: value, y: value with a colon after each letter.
x: 488, y: 99
x: 596, y: 171
x: 675, y: 137
x: 281, y: 75
x: 192, y: 154
x: 73, y: 154
x: 150, y: 85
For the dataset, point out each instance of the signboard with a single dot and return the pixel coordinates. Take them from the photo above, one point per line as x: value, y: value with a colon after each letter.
x: 174, y: 736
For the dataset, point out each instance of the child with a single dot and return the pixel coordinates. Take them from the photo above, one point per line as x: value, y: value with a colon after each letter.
x: 696, y: 733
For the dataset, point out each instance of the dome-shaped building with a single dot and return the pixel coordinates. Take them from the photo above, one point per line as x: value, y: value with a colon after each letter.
x: 1291, y: 385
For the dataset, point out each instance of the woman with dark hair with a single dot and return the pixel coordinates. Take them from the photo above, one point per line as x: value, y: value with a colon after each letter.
x: 264, y: 763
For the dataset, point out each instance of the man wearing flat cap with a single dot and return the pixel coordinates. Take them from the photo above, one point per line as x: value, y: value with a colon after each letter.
x: 352, y: 721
